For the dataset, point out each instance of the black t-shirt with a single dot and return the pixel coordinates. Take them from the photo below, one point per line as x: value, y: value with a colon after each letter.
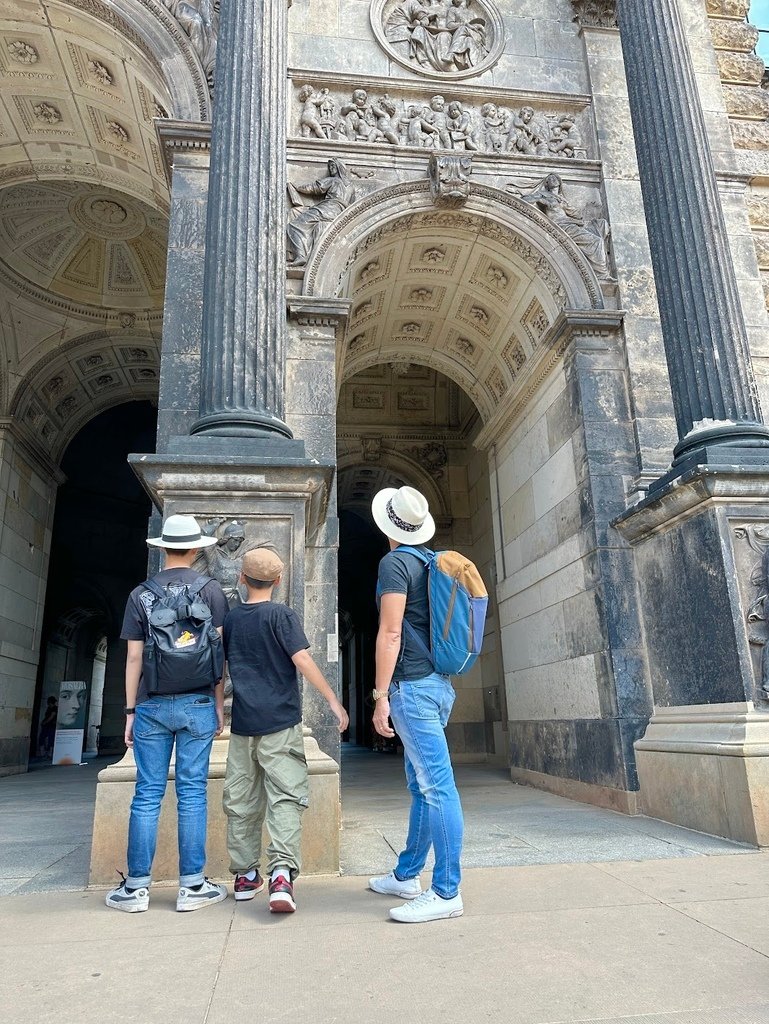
x: 141, y: 600
x: 400, y: 572
x: 260, y: 639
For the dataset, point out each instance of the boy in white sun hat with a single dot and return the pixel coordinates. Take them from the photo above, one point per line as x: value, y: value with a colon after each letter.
x: 419, y: 700
x: 162, y: 714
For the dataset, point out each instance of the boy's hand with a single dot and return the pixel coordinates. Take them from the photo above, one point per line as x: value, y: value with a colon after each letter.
x: 129, y: 730
x: 341, y: 715
x: 381, y: 718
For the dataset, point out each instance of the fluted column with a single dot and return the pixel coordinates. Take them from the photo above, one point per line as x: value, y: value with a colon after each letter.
x: 244, y: 288
x: 714, y: 391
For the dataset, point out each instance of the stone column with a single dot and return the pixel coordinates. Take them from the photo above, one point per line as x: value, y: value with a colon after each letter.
x: 244, y: 288
x: 714, y: 392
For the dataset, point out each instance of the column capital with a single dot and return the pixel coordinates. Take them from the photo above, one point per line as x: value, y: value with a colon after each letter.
x: 177, y: 137
x: 595, y: 13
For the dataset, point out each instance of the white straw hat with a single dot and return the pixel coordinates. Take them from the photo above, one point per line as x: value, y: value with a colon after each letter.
x: 181, y: 532
x: 403, y: 514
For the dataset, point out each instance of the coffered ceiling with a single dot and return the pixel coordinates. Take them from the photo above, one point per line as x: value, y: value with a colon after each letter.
x: 78, y: 100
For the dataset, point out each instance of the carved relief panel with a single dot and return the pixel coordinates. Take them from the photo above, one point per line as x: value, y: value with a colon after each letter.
x: 389, y: 114
x: 445, y: 39
x: 751, y: 555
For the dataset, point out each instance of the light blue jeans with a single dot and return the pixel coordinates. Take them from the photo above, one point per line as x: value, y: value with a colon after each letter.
x: 189, y: 720
x: 420, y: 711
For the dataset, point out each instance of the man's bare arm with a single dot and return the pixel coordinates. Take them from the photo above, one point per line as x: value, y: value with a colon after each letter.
x: 388, y: 645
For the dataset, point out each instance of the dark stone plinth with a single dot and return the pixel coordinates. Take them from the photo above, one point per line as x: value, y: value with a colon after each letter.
x: 597, y: 752
x: 267, y: 451
x: 703, y: 326
x: 694, y: 620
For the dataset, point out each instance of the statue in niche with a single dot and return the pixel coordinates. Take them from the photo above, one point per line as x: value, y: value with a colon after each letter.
x: 200, y: 20
x: 223, y: 561
x: 307, y: 223
x: 588, y: 229
x: 444, y: 35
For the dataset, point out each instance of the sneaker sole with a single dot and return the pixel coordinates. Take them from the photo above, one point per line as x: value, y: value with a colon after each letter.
x: 248, y: 894
x: 127, y: 908
x: 187, y: 908
x: 393, y: 892
x: 282, y: 905
x: 426, y: 920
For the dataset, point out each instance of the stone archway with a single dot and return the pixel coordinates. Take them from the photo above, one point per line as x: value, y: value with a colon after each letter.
x: 493, y: 299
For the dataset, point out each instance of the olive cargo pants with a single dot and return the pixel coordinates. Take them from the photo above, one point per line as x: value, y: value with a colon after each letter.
x: 265, y: 783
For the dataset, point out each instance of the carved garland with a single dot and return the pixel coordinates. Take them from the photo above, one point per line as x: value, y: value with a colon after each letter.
x: 596, y: 13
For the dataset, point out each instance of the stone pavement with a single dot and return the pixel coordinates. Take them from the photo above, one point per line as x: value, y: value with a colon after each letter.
x: 573, y: 914
x: 681, y: 941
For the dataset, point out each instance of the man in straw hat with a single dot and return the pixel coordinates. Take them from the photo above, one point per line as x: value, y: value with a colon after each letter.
x: 419, y: 700
x: 157, y: 723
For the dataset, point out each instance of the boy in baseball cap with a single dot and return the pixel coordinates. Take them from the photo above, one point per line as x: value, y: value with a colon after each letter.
x: 266, y: 777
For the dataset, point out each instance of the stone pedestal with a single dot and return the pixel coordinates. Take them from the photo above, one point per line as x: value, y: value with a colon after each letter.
x: 278, y: 498
x: 707, y: 767
x: 701, y: 562
x: 320, y: 827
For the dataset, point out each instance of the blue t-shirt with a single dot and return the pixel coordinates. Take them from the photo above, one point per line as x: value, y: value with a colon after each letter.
x: 260, y: 640
x: 400, y: 572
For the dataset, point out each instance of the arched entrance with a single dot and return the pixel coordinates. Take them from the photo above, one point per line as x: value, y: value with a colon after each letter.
x: 98, y: 554
x: 450, y: 314
x: 452, y: 377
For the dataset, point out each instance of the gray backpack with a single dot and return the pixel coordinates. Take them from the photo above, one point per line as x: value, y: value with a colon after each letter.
x: 183, y: 651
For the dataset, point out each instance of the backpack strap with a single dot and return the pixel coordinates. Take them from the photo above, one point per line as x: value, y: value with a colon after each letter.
x: 425, y: 558
x: 193, y: 589
x: 154, y: 588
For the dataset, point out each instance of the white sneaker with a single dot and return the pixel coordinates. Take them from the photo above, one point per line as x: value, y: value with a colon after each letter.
x: 429, y: 906
x: 195, y: 899
x: 389, y: 885
x: 135, y: 902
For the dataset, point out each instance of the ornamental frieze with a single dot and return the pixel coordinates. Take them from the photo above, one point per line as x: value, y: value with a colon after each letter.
x: 437, y: 121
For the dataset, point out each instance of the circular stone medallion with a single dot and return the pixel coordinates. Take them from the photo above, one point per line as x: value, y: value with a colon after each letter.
x: 106, y: 216
x: 444, y: 39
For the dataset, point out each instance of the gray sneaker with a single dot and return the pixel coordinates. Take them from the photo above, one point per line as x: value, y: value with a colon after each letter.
x: 134, y: 902
x: 195, y: 899
x: 389, y: 885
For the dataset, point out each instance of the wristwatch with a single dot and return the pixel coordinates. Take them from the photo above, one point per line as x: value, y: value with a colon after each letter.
x: 129, y: 711
x: 379, y: 694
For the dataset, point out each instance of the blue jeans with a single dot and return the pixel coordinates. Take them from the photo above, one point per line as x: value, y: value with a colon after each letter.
x: 420, y: 711
x: 190, y: 721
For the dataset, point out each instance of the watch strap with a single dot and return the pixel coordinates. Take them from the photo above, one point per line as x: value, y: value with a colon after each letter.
x: 379, y: 694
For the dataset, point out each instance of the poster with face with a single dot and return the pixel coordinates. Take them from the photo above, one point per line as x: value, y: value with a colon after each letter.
x: 70, y: 722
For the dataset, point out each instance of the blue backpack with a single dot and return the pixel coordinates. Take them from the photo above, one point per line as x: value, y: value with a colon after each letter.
x: 458, y: 602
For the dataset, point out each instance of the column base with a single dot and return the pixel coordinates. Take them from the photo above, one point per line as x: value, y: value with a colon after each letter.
x: 320, y: 826
x: 706, y: 767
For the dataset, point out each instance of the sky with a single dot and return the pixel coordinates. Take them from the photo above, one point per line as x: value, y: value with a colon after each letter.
x: 759, y: 16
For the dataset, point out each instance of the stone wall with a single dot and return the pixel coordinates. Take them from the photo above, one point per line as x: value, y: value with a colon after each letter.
x: 27, y: 495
